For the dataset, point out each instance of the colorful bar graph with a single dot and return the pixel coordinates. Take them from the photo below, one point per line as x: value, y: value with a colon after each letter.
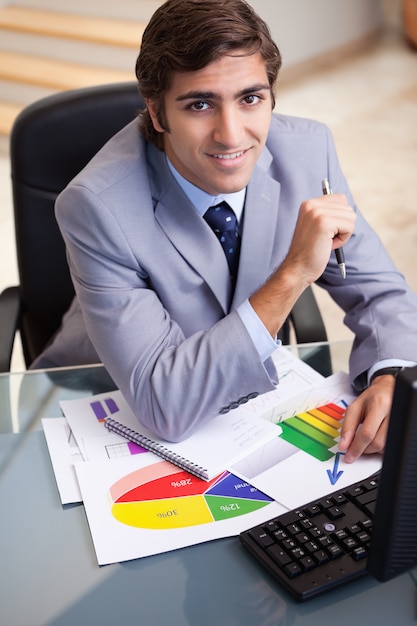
x: 315, y: 431
x: 102, y: 410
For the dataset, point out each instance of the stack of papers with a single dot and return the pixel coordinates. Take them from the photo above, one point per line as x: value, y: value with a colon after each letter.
x: 138, y: 504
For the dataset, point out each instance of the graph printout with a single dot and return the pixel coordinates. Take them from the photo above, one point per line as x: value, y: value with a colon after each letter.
x: 304, y: 462
x: 138, y: 507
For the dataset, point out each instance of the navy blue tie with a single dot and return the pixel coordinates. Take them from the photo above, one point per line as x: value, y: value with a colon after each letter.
x: 222, y: 219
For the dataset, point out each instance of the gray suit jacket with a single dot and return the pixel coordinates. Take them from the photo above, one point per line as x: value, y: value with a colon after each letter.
x: 153, y: 284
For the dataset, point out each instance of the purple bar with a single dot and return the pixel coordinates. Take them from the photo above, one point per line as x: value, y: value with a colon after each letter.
x: 111, y: 405
x: 134, y: 448
x: 99, y: 411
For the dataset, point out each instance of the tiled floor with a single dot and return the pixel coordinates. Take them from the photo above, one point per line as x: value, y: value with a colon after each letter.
x: 370, y: 103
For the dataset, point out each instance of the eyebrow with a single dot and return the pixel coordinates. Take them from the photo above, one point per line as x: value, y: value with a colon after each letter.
x: 212, y: 95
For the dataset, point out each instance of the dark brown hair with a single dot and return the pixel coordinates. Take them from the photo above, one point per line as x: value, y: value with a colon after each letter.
x: 187, y: 35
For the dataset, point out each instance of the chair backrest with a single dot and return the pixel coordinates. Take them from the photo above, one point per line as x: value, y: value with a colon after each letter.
x: 51, y: 141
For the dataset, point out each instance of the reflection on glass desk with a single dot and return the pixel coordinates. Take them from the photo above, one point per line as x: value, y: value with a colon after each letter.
x: 50, y: 574
x: 27, y: 397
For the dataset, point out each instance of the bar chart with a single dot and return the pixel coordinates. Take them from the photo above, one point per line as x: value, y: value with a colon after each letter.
x: 315, y: 431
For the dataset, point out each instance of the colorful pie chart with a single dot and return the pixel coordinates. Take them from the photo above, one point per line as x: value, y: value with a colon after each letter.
x: 162, y: 496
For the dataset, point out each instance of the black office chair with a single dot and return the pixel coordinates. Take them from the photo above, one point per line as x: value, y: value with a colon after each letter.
x: 51, y: 141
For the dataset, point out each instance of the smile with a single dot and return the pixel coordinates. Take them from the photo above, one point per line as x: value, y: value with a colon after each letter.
x: 234, y: 155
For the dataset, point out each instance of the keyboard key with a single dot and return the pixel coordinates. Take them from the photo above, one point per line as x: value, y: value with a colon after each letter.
x: 279, y: 534
x: 359, y: 553
x: 307, y: 563
x: 302, y: 538
x: 354, y: 529
x: 355, y: 491
x: 316, y: 533
x: 261, y: 537
x: 306, y: 524
x: 335, y: 513
x: 371, y: 483
x: 321, y: 556
x: 325, y: 541
x: 367, y: 523
x: 297, y: 554
x: 294, y: 529
x: 313, y: 510
x: 292, y: 517
x: 370, y: 508
x: 326, y: 503
x: 363, y: 536
x: 340, y: 499
x: 311, y: 547
x: 335, y: 551
x: 349, y: 543
x: 292, y: 570
x: 271, y: 526
x: 278, y: 555
x: 341, y: 534
x: 366, y: 498
x: 288, y: 544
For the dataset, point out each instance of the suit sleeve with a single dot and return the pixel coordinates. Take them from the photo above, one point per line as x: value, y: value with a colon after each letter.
x: 380, y: 307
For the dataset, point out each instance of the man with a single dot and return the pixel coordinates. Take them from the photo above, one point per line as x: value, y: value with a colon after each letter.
x: 184, y: 335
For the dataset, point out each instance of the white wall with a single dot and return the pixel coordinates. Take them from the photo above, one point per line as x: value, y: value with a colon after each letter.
x: 303, y: 29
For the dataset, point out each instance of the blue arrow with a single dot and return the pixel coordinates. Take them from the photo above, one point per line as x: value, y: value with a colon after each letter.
x: 334, y: 474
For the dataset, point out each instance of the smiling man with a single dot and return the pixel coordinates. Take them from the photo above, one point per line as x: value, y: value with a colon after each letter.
x: 183, y: 336
x: 218, y: 119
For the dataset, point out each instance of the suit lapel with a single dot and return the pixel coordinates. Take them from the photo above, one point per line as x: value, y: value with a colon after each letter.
x: 259, y: 234
x: 189, y: 233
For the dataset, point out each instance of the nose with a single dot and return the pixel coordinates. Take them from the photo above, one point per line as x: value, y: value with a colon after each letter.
x: 228, y: 128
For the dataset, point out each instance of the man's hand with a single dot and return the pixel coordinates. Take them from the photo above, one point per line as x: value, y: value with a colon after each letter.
x: 324, y: 224
x: 365, y: 426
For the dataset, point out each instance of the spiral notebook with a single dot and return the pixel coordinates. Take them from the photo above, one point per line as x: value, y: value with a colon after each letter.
x: 211, y: 449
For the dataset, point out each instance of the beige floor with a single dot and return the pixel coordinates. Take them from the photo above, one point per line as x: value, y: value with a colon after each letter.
x: 370, y: 103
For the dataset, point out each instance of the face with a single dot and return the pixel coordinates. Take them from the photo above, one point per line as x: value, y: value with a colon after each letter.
x: 218, y: 119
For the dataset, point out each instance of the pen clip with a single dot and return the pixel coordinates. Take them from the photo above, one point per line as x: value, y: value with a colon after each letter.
x: 325, y: 185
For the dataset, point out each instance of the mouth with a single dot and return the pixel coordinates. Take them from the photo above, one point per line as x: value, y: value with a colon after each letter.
x: 229, y: 157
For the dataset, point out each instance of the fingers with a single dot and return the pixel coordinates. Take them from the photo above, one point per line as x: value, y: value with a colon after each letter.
x: 323, y: 224
x: 330, y: 217
x: 365, y: 425
x: 368, y: 438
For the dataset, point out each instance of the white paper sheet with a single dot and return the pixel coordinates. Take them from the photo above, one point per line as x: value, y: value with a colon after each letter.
x: 138, y: 507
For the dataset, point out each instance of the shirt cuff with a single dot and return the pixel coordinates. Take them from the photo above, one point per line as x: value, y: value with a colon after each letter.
x: 388, y: 363
x: 263, y: 341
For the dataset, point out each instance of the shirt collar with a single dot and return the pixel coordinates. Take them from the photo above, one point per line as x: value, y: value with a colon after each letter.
x: 201, y: 200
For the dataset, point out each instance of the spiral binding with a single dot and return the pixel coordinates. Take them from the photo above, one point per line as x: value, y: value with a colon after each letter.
x: 154, y: 446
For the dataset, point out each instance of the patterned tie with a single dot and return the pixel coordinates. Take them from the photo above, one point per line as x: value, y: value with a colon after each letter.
x: 222, y: 219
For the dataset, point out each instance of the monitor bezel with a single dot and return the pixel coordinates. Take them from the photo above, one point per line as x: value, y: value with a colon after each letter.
x: 393, y: 547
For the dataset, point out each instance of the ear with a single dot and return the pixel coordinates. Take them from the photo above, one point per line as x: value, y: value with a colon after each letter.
x: 150, y: 105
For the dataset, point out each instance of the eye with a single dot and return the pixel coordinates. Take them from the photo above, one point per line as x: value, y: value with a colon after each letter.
x: 251, y: 99
x: 198, y: 106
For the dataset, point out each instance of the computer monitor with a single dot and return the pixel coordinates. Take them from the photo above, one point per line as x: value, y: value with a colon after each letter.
x: 394, y: 537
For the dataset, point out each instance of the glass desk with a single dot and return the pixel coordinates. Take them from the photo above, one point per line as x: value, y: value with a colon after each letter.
x: 50, y: 574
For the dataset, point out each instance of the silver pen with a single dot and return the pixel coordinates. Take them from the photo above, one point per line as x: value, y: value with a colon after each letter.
x: 340, y: 255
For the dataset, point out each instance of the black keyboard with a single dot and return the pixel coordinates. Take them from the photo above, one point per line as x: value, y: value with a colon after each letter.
x: 321, y: 545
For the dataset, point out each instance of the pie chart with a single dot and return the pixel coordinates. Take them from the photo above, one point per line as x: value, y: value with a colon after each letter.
x: 162, y: 496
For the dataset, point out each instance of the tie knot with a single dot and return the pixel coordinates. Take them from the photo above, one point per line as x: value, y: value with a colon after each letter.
x: 221, y: 218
